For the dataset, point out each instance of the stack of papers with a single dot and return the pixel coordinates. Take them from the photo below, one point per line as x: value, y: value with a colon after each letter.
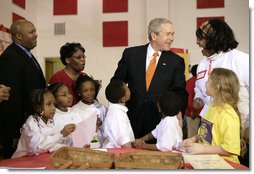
x: 213, y: 161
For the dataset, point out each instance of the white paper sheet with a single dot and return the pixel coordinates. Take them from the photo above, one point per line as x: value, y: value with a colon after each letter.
x: 207, y: 161
x: 84, y: 131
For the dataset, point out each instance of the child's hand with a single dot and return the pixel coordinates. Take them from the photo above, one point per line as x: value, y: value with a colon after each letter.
x: 198, y: 103
x: 87, y: 146
x: 138, y: 143
x: 180, y: 119
x: 188, y: 142
x: 196, y: 148
x: 98, y: 122
x: 68, y: 129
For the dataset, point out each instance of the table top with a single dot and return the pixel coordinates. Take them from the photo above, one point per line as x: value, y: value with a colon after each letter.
x: 43, y: 160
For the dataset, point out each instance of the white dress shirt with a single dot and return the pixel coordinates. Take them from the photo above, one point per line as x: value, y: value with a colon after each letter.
x: 117, y: 127
x: 168, y: 133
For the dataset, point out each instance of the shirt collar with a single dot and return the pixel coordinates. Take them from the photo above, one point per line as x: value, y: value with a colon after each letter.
x: 24, y: 49
x: 119, y: 105
x: 151, y: 51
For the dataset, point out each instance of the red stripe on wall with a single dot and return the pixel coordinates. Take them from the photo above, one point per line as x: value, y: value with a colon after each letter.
x: 65, y: 7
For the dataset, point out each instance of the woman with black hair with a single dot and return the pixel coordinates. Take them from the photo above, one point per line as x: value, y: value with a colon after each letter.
x: 73, y: 57
x: 219, y: 48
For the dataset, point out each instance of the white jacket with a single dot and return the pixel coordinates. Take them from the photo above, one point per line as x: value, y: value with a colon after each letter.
x: 236, y: 61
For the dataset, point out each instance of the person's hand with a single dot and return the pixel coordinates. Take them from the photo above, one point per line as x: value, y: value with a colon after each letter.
x: 180, y: 119
x: 4, y: 92
x: 188, y: 142
x: 138, y: 143
x: 68, y: 129
x: 196, y: 148
x: 86, y: 146
x: 192, y: 115
x: 198, y: 103
x: 98, y: 122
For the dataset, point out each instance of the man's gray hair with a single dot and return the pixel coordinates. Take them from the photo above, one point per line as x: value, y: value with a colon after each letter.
x: 154, y: 26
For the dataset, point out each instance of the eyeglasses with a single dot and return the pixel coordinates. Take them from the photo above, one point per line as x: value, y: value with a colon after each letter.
x: 79, y: 57
x: 64, y: 95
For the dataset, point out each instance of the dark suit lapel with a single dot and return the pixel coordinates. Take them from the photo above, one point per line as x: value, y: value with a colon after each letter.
x: 141, y: 67
x: 28, y: 59
x: 38, y: 67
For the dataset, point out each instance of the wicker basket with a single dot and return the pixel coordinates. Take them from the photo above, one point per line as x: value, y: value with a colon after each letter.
x: 149, y: 160
x: 81, y: 158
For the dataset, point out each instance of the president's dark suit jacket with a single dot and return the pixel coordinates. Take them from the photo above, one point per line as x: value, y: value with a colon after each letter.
x: 169, y: 76
x: 18, y: 71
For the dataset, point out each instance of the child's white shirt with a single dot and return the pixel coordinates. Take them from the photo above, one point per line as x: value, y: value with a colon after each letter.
x: 63, y: 118
x: 168, y: 134
x: 102, y: 115
x: 102, y: 110
x: 38, y: 137
x: 85, y: 110
x: 117, y: 127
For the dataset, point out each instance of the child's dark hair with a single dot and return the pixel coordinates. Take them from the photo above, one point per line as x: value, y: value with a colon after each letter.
x: 37, y: 97
x: 194, y: 70
x: 85, y: 78
x: 53, y: 88
x: 170, y: 103
x: 115, y: 91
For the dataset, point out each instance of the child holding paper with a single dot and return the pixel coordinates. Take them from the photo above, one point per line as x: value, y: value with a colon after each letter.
x: 168, y: 132
x: 87, y: 89
x: 117, y: 126
x: 40, y: 133
x: 219, y: 132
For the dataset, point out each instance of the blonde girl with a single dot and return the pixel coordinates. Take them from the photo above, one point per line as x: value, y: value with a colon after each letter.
x: 219, y: 132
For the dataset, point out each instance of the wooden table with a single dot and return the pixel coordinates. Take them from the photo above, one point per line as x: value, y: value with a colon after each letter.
x: 43, y: 160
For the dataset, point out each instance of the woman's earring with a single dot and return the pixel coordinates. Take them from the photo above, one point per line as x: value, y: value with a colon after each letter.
x: 42, y: 112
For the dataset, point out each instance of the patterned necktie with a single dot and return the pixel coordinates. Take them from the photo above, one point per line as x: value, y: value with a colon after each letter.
x: 150, y: 70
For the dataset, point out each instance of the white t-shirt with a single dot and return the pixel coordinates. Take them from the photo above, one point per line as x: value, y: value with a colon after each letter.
x: 168, y: 134
x: 117, y: 127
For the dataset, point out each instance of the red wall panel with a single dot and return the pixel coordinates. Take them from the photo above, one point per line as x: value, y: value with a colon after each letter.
x: 115, y: 33
x: 65, y: 7
x: 210, y: 3
x: 200, y: 20
x: 16, y: 17
x: 20, y: 3
x: 111, y: 6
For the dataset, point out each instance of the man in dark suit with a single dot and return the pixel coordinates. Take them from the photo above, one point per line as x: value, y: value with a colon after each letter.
x: 20, y: 71
x: 168, y: 76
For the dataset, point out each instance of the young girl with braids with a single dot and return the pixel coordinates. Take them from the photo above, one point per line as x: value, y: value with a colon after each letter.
x: 39, y: 133
x: 219, y: 132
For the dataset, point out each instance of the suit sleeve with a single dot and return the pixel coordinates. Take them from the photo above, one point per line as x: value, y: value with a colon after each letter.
x: 179, y: 84
x: 12, y: 109
x: 121, y: 72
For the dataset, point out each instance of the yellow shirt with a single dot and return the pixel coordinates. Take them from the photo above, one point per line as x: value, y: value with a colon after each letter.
x: 221, y: 126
